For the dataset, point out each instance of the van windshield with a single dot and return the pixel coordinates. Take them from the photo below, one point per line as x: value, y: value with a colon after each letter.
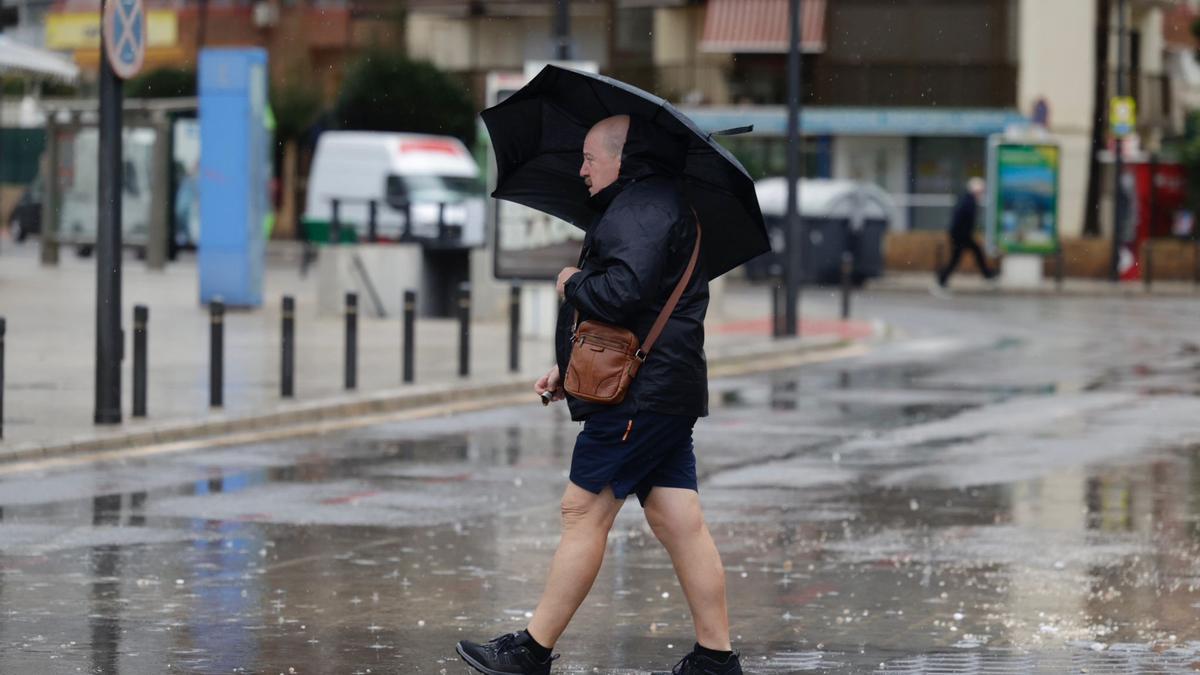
x: 441, y: 189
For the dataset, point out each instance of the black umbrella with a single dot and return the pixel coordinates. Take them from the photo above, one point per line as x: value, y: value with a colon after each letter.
x: 538, y: 137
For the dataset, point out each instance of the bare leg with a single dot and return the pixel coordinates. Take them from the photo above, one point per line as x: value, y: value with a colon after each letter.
x: 675, y: 517
x: 586, y: 520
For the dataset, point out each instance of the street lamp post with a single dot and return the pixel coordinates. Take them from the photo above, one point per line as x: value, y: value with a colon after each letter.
x: 794, y: 231
x: 1114, y: 271
x: 108, y: 245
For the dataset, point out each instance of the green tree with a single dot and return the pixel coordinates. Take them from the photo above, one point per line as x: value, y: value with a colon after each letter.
x: 296, y: 107
x: 163, y: 83
x: 385, y: 91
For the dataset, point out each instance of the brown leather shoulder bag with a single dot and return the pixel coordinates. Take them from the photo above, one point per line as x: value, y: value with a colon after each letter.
x: 605, y: 358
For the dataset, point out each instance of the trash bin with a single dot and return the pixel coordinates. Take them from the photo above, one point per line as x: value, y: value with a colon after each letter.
x: 836, y: 216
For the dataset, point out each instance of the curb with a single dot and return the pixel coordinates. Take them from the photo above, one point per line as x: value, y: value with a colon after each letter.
x: 734, y: 357
x: 1123, y: 290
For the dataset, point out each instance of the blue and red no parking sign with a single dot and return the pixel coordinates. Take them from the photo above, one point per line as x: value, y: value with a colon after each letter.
x: 125, y: 36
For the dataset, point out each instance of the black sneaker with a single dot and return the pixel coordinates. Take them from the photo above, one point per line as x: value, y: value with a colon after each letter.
x: 695, y: 664
x: 505, y: 655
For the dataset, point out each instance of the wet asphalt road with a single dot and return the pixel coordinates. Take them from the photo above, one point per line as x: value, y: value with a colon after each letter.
x: 1009, y: 486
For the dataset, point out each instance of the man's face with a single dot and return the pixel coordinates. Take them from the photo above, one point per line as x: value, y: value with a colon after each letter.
x: 600, y: 166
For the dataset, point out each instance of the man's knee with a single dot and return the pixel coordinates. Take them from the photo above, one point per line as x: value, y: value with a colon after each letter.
x: 674, y: 522
x: 582, y: 509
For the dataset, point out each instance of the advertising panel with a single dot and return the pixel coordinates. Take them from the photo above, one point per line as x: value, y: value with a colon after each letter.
x: 1023, y: 196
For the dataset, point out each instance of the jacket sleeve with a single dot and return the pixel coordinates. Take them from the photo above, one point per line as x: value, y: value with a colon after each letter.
x: 635, y: 246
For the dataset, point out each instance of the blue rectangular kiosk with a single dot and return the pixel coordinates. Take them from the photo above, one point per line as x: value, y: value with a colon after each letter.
x: 235, y: 170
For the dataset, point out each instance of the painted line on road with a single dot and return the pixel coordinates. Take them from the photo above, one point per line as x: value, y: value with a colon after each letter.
x: 742, y: 367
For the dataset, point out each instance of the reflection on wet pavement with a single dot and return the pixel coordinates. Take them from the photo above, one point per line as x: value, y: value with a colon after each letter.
x: 967, y: 505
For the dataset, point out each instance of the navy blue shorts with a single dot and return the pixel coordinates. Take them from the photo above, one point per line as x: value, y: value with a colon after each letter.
x: 633, y: 452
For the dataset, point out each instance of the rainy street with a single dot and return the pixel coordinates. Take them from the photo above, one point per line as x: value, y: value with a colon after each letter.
x: 1005, y: 485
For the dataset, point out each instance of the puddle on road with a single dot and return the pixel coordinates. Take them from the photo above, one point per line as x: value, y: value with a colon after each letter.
x: 379, y: 549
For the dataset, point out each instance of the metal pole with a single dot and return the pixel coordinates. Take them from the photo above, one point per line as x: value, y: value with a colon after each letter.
x: 1114, y: 271
x: 216, y: 353
x: 3, y: 329
x: 847, y: 273
x: 793, y: 219
x: 777, y: 298
x: 141, y: 320
x: 514, y: 329
x: 287, y: 360
x: 108, y: 246
x: 1059, y: 268
x: 464, y: 329
x: 562, y: 30
x: 50, y: 193
x: 372, y: 224
x: 351, y: 341
x: 409, y: 347
x: 1147, y: 264
x: 335, y: 223
x: 159, y: 234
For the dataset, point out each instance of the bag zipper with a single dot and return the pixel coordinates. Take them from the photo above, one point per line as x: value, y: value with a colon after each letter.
x: 602, y: 341
x: 628, y: 428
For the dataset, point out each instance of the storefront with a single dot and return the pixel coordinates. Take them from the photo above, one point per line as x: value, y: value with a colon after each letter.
x: 922, y: 158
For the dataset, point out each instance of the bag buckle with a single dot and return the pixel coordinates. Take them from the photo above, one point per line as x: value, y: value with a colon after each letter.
x: 640, y: 355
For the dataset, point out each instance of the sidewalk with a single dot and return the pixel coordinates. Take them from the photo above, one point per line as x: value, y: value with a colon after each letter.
x: 50, y: 355
x: 973, y: 284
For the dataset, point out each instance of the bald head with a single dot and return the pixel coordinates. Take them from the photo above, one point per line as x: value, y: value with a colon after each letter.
x: 602, y: 152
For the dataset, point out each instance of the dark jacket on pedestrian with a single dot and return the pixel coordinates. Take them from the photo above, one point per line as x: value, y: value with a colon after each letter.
x: 634, y: 254
x: 962, y: 220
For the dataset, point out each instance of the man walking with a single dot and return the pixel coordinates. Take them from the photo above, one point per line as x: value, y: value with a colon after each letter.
x: 635, y: 253
x: 962, y: 234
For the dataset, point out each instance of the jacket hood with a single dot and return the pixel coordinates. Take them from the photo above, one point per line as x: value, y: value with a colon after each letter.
x: 649, y: 150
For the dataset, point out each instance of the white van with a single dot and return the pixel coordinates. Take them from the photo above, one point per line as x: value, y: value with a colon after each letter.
x: 433, y: 178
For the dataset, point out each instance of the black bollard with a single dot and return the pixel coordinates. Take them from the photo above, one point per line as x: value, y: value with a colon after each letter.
x: 3, y: 327
x: 410, y: 322
x: 777, y: 302
x: 351, y: 341
x: 514, y: 329
x: 141, y: 318
x: 1196, y: 262
x: 372, y: 221
x: 847, y: 281
x: 464, y: 329
x: 335, y: 222
x: 1147, y: 264
x: 287, y: 359
x: 216, y: 354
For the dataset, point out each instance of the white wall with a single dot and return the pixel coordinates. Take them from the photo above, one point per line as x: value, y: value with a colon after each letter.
x: 1056, y: 47
x: 493, y: 43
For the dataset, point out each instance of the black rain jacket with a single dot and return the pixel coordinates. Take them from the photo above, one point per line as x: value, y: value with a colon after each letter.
x: 634, y: 253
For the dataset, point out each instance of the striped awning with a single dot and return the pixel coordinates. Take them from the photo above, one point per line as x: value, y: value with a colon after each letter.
x: 761, y: 26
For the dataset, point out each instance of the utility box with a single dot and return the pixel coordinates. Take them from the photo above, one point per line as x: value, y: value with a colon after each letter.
x: 234, y: 180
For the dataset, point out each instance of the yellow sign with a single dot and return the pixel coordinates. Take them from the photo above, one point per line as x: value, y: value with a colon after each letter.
x: 81, y: 30
x: 1122, y: 116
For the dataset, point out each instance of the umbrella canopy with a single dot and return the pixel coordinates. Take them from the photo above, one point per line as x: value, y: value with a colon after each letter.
x: 27, y: 60
x: 538, y: 137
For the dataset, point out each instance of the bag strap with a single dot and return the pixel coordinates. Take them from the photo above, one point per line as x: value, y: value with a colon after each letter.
x: 661, y: 322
